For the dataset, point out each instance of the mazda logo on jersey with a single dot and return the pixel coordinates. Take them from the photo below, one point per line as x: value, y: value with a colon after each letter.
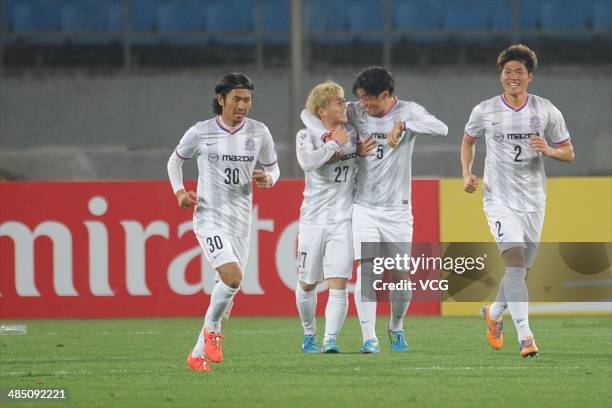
x: 498, y: 137
x: 213, y: 157
x: 232, y: 157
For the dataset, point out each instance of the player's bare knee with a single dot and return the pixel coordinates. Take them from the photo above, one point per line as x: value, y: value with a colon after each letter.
x: 231, y: 274
x: 337, y: 283
x: 307, y: 287
x: 514, y: 257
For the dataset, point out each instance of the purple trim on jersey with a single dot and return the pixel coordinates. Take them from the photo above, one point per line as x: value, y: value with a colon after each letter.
x: 563, y: 141
x: 324, y: 135
x: 390, y: 108
x: 181, y: 157
x: 503, y: 97
x: 271, y: 164
x: 228, y: 130
x: 470, y: 136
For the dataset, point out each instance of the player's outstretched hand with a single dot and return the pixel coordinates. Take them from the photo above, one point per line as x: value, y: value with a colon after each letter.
x: 262, y: 179
x: 539, y: 145
x: 470, y: 183
x: 366, y: 148
x: 394, y: 136
x: 186, y: 199
x: 340, y: 135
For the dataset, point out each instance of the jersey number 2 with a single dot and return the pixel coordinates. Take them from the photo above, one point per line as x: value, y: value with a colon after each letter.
x: 517, y: 149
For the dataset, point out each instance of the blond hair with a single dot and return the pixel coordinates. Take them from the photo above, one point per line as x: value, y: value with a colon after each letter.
x: 321, y: 95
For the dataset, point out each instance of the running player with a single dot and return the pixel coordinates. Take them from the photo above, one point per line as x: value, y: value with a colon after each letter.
x: 325, y: 238
x: 227, y: 148
x: 382, y: 210
x: 514, y: 126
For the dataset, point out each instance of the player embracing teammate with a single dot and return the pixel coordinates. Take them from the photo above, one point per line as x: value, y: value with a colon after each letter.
x: 382, y: 210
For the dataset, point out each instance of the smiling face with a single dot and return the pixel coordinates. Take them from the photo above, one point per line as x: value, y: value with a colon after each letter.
x: 236, y: 105
x: 375, y: 105
x: 515, y: 78
x: 334, y: 113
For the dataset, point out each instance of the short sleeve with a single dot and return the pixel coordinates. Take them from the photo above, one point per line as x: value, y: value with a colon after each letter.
x: 475, y: 126
x: 188, y: 145
x: 555, y: 129
x: 267, y: 154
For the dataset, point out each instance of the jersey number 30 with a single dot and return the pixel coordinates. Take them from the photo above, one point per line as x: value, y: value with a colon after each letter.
x: 232, y: 176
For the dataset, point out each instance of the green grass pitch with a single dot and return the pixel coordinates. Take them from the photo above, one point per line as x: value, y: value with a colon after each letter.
x: 141, y: 362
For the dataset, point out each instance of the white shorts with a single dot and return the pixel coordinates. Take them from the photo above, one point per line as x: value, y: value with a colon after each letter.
x: 324, y: 251
x: 221, y: 248
x: 380, y: 225
x: 512, y: 228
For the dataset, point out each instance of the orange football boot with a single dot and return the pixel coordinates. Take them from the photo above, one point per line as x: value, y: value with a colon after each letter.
x: 212, y: 346
x: 528, y: 347
x: 495, y: 333
x: 198, y: 363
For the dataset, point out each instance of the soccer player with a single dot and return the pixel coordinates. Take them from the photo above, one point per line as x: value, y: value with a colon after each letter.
x: 514, y: 126
x: 325, y: 238
x: 227, y: 148
x: 382, y: 210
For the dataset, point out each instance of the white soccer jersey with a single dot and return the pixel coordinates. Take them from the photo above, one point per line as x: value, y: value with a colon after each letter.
x: 328, y: 193
x: 226, y: 160
x: 384, y: 179
x: 514, y: 174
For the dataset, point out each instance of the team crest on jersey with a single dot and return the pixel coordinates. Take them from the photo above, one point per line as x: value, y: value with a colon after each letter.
x: 535, y: 123
x: 498, y: 137
x: 213, y: 157
x: 249, y: 144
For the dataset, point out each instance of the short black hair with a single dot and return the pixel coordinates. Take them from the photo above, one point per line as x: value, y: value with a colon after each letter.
x: 233, y: 80
x: 374, y: 81
x: 521, y: 53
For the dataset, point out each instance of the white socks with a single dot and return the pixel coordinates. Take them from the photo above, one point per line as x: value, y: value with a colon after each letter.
x: 515, y: 293
x: 335, y: 312
x: 498, y: 307
x: 400, y: 300
x: 307, y: 306
x: 220, y: 300
x: 366, y: 310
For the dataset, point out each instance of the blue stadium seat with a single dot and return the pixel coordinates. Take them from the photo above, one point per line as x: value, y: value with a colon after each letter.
x: 468, y: 15
x: 564, y: 15
x: 276, y: 18
x: 115, y: 18
x: 530, y: 14
x: 8, y: 12
x: 501, y: 15
x: 364, y: 17
x: 36, y: 16
x: 231, y: 16
x: 602, y: 16
x: 85, y: 16
x: 326, y: 15
x: 412, y: 16
x: 144, y: 16
x: 182, y: 16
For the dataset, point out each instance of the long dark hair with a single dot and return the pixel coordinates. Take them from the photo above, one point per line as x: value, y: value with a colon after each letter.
x: 233, y: 80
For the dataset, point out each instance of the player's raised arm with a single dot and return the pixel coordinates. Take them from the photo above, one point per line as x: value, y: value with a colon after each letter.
x: 468, y: 152
x: 309, y: 156
x: 424, y: 123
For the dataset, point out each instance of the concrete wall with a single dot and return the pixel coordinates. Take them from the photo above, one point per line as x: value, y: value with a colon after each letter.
x: 81, y: 126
